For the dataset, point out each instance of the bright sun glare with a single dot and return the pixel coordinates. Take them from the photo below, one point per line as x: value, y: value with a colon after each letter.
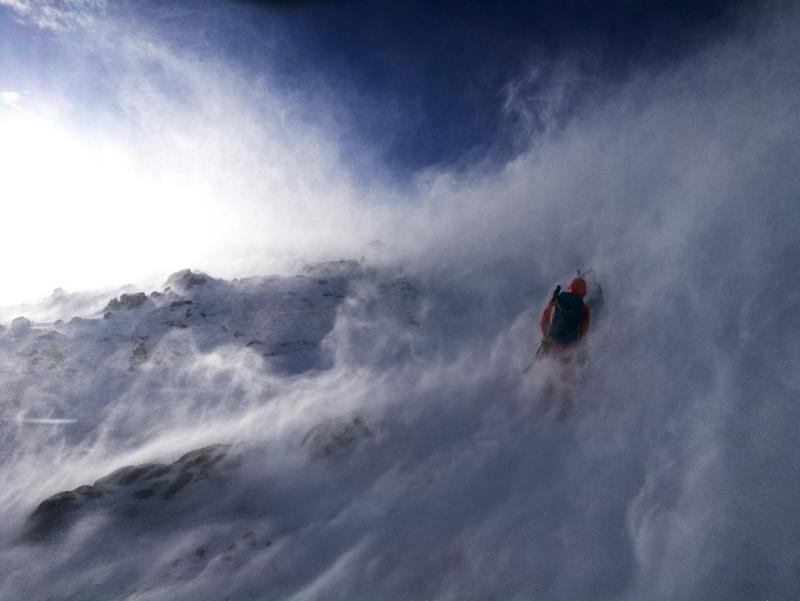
x: 83, y: 212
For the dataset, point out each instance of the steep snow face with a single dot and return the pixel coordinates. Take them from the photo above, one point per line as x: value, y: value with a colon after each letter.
x: 365, y: 433
x: 314, y: 380
x: 149, y: 360
x: 382, y: 437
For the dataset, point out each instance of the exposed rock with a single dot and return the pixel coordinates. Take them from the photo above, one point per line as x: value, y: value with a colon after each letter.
x: 287, y: 347
x: 186, y: 279
x: 52, y: 514
x: 125, y: 476
x: 55, y: 515
x: 327, y: 269
x: 335, y: 436
x: 203, y: 460
x: 88, y: 491
x: 21, y: 324
x: 178, y: 484
x: 171, y: 323
x: 127, y: 302
x: 402, y: 289
x: 50, y: 355
x: 140, y: 354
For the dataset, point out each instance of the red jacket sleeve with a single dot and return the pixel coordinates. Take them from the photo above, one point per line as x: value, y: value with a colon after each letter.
x: 544, y: 320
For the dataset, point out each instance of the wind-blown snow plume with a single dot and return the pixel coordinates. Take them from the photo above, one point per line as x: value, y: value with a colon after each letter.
x: 388, y: 443
x: 202, y: 165
x: 58, y: 15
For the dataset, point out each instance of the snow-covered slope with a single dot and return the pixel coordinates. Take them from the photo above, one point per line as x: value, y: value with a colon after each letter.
x: 151, y: 376
x: 366, y: 431
x: 360, y: 432
x: 262, y: 438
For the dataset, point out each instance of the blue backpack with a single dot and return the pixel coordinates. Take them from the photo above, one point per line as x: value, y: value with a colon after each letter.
x: 568, y: 309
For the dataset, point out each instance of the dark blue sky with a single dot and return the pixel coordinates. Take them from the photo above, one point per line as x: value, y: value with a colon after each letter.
x: 424, y: 82
x: 418, y: 83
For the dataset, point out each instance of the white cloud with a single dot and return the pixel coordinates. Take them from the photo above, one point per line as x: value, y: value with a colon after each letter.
x: 11, y: 99
x: 55, y: 14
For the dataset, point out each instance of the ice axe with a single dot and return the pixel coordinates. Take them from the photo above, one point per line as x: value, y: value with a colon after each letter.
x: 541, y: 351
x: 544, y: 343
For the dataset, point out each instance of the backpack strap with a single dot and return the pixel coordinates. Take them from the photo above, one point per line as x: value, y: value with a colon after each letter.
x: 556, y: 294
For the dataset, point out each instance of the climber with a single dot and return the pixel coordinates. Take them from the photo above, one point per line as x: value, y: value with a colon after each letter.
x: 564, y: 325
x: 565, y: 320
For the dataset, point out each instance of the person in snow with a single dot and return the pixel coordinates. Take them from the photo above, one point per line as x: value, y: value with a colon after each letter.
x: 565, y: 320
x: 564, y: 325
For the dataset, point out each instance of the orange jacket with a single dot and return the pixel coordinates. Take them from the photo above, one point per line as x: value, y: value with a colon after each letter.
x: 547, y: 315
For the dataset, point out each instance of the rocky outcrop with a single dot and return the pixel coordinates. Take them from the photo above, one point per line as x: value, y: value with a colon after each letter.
x: 55, y: 515
x: 140, y: 353
x: 335, y: 437
x: 21, y: 324
x: 186, y: 279
x: 127, y: 302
